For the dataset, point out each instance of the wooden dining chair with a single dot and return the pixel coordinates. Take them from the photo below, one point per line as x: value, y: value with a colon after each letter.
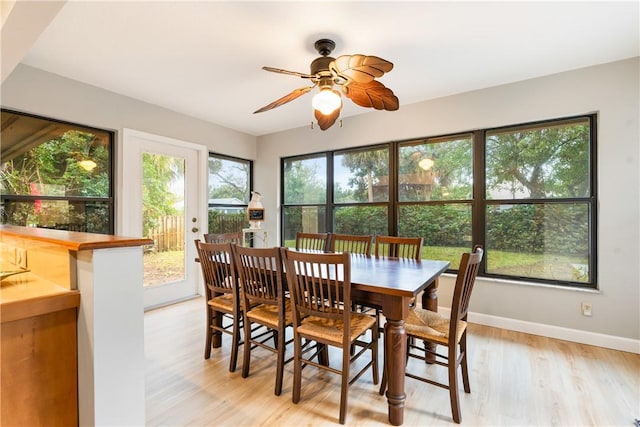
x: 224, y: 238
x: 320, y: 285
x: 398, y: 247
x: 450, y: 332
x: 224, y: 311
x: 354, y: 244
x: 312, y: 241
x: 265, y: 305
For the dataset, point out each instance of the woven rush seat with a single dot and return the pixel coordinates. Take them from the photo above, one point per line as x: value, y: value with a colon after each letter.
x: 224, y: 302
x: 267, y: 315
x: 333, y: 329
x: 429, y: 325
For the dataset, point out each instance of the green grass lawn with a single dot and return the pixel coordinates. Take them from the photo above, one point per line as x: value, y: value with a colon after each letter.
x: 517, y: 264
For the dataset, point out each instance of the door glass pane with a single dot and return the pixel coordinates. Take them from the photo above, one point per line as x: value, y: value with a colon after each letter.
x: 163, y: 218
x: 544, y: 241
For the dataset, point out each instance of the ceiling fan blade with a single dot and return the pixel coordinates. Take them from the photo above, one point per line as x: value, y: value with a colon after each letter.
x: 360, y: 68
x: 291, y: 73
x: 326, y: 121
x: 372, y: 94
x: 288, y: 97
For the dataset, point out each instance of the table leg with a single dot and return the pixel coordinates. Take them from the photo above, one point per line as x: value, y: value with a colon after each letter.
x: 430, y: 302
x: 395, y: 353
x: 395, y: 341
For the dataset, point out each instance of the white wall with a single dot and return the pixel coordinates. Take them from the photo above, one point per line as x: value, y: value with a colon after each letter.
x: 38, y: 92
x: 612, y: 90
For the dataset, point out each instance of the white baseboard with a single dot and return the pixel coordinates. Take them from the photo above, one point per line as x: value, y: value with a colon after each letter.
x: 557, y: 332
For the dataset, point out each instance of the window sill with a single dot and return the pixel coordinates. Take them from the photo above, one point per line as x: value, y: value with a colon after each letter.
x: 524, y: 283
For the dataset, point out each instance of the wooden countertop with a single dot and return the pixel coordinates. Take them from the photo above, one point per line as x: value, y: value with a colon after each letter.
x: 72, y: 239
x: 27, y: 295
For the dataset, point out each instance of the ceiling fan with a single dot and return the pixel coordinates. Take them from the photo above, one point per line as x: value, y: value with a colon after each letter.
x: 354, y: 74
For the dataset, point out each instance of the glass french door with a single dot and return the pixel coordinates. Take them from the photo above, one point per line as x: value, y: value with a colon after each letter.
x: 163, y: 188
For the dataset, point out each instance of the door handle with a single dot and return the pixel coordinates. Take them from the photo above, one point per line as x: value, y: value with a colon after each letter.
x: 195, y: 229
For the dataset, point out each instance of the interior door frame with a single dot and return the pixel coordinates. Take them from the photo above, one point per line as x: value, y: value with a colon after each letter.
x: 134, y: 143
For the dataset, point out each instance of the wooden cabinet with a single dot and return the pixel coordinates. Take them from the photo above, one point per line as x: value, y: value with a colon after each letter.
x: 39, y: 359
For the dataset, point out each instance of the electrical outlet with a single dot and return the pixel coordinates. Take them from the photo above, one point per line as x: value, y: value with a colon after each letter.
x: 586, y: 309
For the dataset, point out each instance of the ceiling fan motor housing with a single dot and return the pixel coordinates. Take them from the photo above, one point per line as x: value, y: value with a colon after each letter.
x: 320, y: 66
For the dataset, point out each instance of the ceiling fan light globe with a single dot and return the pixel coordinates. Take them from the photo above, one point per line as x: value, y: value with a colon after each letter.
x: 87, y: 164
x: 426, y: 163
x: 327, y: 101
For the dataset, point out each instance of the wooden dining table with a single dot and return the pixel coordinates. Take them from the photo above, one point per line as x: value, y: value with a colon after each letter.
x: 391, y: 283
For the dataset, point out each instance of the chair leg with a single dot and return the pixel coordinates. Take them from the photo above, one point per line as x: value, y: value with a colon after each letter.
x: 207, y: 346
x: 246, y: 361
x: 452, y: 367
x: 375, y: 334
x: 280, y: 363
x: 297, y: 369
x: 234, y: 344
x: 344, y: 389
x: 463, y: 363
x: 383, y: 383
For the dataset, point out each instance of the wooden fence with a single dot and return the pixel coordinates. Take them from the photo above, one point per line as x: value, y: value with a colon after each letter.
x: 168, y: 235
x: 229, y: 223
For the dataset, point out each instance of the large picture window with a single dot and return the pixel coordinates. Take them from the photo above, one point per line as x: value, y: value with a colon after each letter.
x: 55, y: 174
x: 539, y: 206
x: 525, y: 192
x: 229, y: 193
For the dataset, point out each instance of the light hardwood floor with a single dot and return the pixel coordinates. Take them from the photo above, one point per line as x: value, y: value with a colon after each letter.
x: 516, y: 380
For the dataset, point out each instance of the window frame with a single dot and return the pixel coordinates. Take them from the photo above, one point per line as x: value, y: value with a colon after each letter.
x: 110, y: 199
x: 213, y: 154
x: 479, y: 203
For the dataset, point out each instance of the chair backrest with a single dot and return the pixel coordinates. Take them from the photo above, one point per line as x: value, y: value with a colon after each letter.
x: 218, y: 269
x: 351, y: 243
x: 224, y: 238
x: 260, y: 272
x: 467, y: 272
x: 399, y: 247
x: 312, y: 241
x: 320, y: 285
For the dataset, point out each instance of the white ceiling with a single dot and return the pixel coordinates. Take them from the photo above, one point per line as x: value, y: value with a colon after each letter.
x: 204, y: 58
